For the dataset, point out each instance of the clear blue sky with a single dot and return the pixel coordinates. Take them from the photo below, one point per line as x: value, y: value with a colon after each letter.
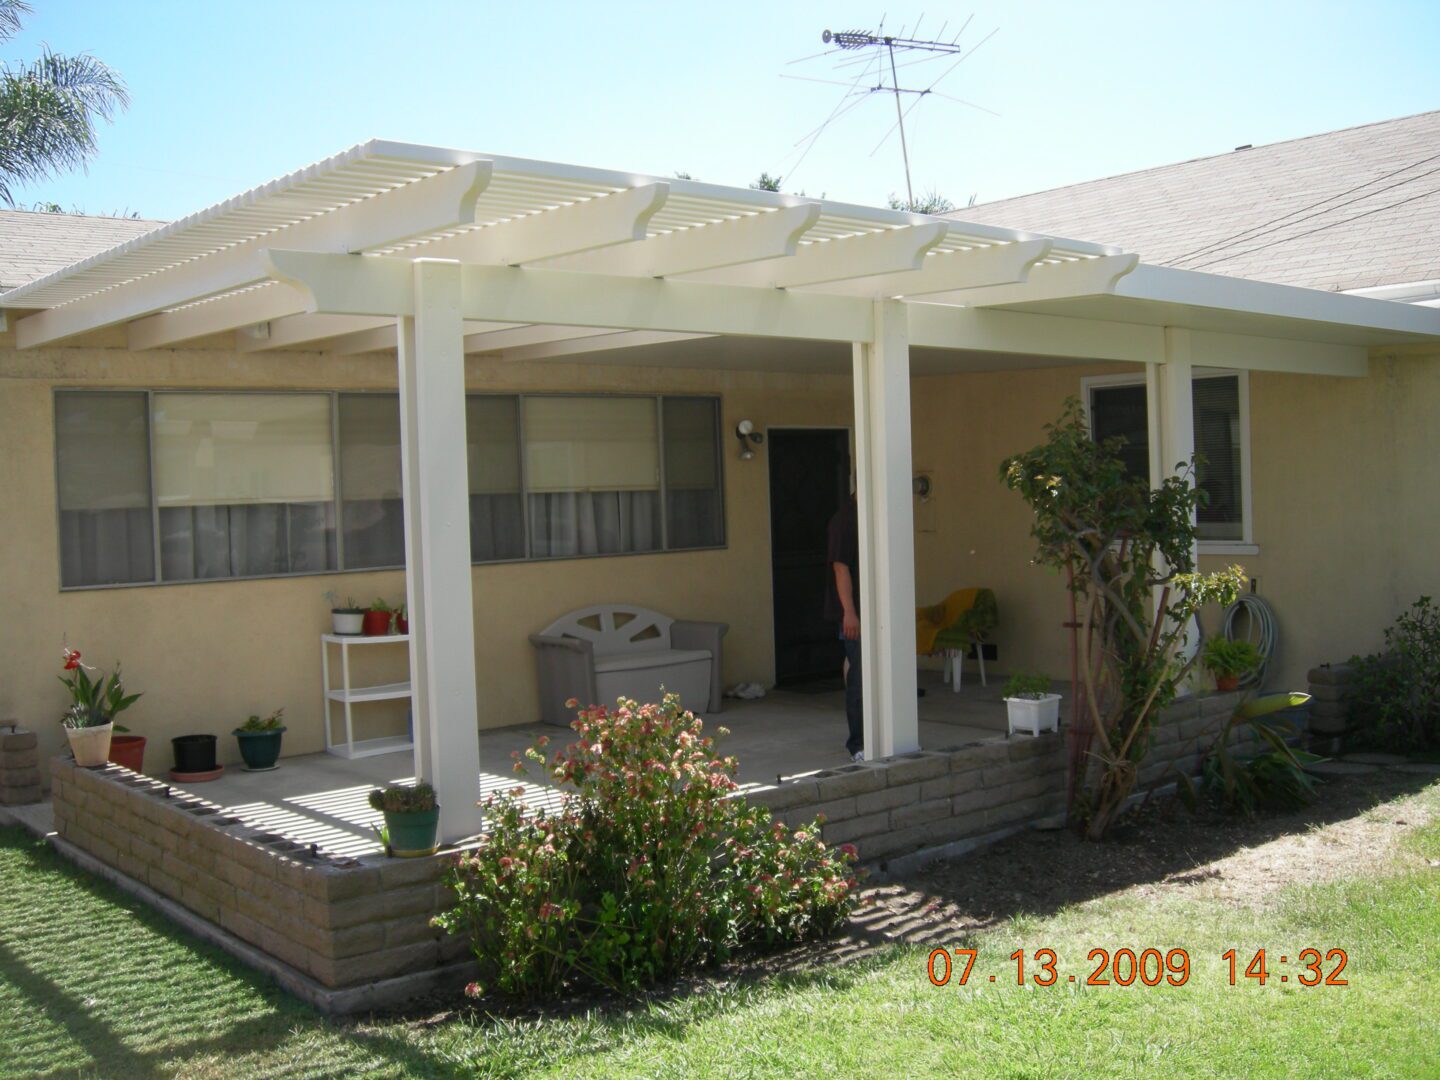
x: 227, y: 95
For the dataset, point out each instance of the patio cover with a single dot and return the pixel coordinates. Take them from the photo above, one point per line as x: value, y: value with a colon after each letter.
x: 438, y: 253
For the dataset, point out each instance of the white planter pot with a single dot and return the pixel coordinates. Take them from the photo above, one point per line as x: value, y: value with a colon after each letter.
x: 1034, y: 714
x: 348, y: 622
x: 91, y: 745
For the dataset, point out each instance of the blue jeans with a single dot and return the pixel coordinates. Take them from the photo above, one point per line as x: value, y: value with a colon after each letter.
x: 854, y: 704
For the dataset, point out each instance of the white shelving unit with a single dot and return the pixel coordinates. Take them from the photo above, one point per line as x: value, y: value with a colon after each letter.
x: 348, y: 696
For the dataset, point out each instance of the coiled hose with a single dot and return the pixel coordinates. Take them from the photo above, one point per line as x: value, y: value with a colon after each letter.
x: 1257, y: 624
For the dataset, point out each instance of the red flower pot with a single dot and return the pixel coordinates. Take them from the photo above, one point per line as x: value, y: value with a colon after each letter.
x: 129, y: 751
x: 377, y: 623
x: 1227, y: 682
x: 402, y: 624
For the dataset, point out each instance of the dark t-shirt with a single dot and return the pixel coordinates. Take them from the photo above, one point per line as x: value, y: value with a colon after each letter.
x: 843, y: 547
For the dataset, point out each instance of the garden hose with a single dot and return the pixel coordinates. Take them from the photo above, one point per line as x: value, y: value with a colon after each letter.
x: 1259, y: 630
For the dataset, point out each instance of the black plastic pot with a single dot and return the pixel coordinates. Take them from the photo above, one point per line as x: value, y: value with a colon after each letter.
x: 194, y: 753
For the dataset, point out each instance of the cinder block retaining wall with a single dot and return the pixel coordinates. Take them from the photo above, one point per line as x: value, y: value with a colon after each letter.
x: 348, y: 923
x: 1330, y: 690
x: 343, y: 922
x: 935, y: 797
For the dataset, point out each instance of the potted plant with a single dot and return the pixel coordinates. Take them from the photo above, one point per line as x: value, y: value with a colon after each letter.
x: 402, y: 619
x: 260, y: 741
x: 89, y: 722
x: 1229, y: 661
x: 347, y: 619
x: 412, y: 815
x: 194, y: 758
x: 1029, y: 704
x: 377, y: 619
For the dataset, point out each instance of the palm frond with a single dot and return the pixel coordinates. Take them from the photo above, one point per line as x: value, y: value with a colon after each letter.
x: 11, y: 12
x: 48, y: 112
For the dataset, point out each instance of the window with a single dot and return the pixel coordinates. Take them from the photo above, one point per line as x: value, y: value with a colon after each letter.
x: 102, y: 460
x: 1117, y: 407
x: 181, y: 486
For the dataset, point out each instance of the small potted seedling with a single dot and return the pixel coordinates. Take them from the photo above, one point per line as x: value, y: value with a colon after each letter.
x: 347, y: 619
x: 402, y: 619
x: 1230, y: 661
x: 412, y: 817
x: 377, y: 618
x: 259, y: 740
x: 1030, y: 705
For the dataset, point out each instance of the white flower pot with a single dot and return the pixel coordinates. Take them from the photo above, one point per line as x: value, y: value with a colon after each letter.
x: 348, y: 622
x: 90, y: 745
x: 1034, y: 714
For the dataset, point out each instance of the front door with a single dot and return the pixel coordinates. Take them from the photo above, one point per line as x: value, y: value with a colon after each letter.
x: 809, y: 482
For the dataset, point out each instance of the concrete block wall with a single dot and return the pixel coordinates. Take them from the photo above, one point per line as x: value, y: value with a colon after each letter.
x: 342, y: 922
x: 930, y: 798
x: 19, y: 765
x: 1330, y: 689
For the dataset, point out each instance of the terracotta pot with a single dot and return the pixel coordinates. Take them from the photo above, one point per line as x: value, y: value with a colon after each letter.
x: 90, y: 745
x: 402, y: 624
x: 1227, y: 682
x: 129, y: 751
x: 377, y: 623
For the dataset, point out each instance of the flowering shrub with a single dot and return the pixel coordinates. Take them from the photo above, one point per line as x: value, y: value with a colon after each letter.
x: 93, y: 702
x: 649, y: 867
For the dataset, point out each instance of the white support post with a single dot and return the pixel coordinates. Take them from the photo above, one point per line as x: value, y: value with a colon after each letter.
x: 887, y: 535
x: 1171, y: 415
x: 437, y: 546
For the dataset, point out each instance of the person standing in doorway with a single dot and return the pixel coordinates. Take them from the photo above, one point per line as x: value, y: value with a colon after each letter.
x: 842, y: 605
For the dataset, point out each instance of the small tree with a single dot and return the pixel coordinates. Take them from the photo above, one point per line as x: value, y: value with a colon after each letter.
x: 1129, y: 554
x: 927, y: 202
x: 766, y: 182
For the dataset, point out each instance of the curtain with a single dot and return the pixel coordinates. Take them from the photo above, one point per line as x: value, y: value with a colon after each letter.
x: 594, y: 523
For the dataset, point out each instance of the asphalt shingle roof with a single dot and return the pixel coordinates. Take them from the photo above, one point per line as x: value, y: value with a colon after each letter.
x: 1348, y: 209
x: 35, y: 244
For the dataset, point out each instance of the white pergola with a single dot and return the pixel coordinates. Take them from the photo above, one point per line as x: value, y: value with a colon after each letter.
x: 440, y: 253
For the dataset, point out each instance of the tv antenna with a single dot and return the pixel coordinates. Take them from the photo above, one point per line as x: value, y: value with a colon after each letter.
x: 874, y: 51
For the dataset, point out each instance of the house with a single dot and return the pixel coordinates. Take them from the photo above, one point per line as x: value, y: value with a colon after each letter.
x: 202, y: 434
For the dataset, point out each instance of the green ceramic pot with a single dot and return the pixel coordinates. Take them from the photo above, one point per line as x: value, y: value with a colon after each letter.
x: 412, y: 834
x: 260, y: 749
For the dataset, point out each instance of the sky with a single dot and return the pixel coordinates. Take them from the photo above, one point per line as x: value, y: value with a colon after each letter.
x: 226, y: 95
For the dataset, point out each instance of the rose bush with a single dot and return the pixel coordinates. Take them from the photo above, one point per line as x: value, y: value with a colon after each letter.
x: 651, y: 866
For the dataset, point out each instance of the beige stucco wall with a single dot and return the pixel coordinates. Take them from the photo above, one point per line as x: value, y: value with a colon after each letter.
x: 208, y: 654
x: 1346, y: 480
x: 1346, y: 506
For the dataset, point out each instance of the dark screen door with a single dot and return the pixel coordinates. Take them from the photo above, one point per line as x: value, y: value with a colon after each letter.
x: 809, y: 482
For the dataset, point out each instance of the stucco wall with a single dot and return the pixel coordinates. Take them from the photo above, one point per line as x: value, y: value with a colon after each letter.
x: 208, y: 654
x: 1346, y: 479
x: 1346, y: 504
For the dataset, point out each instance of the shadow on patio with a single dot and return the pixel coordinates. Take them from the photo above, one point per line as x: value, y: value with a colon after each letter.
x: 320, y: 799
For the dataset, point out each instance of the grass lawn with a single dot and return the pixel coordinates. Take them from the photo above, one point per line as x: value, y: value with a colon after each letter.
x: 92, y: 984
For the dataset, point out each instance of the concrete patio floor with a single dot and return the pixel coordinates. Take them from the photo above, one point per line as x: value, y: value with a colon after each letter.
x: 322, y: 799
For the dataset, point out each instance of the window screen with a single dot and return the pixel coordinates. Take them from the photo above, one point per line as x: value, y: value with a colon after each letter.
x: 371, y: 507
x: 103, y: 472
x: 693, y: 515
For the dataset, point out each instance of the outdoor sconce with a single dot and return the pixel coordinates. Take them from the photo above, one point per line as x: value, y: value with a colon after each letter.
x: 749, y: 437
x: 922, y: 485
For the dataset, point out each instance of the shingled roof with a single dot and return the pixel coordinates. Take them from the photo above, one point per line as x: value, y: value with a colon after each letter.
x: 1348, y: 209
x: 35, y: 244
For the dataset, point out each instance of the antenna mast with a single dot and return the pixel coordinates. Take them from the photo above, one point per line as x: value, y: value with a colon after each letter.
x: 861, y: 39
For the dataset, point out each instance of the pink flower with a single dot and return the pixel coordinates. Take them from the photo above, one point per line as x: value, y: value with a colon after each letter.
x: 72, y: 659
x: 474, y: 990
x: 849, y: 849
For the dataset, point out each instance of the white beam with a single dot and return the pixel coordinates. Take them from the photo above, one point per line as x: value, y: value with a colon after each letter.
x: 583, y: 226
x: 263, y: 303
x: 1000, y: 264
x: 499, y: 340
x: 944, y: 326
x: 297, y: 331
x: 373, y: 285
x: 606, y: 341
x: 1249, y: 353
x: 888, y: 251
x: 771, y: 234
x: 1053, y: 281
x: 437, y: 547
x: 887, y: 536
x: 381, y: 339
x: 443, y: 201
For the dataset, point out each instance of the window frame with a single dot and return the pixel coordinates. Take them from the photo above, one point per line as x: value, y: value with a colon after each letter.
x: 1246, y: 544
x: 149, y: 393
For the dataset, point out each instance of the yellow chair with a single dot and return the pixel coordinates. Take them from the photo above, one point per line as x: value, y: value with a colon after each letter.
x: 964, y: 618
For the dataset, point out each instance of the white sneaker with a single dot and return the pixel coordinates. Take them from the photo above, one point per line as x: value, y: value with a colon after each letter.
x: 859, y: 755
